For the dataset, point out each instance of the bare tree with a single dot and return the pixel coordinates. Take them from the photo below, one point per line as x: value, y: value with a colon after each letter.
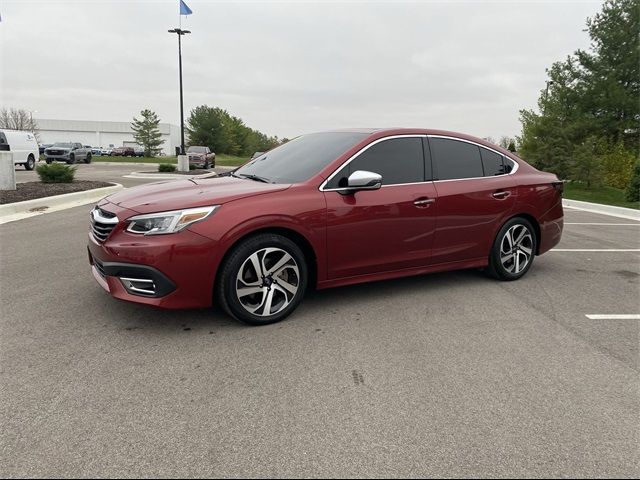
x: 18, y: 119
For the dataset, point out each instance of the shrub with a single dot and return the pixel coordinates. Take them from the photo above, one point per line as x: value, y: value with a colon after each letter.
x: 632, y: 193
x: 192, y: 166
x: 166, y: 167
x: 56, y: 173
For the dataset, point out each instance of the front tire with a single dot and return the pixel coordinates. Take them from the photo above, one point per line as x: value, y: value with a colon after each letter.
x: 72, y: 159
x: 513, y: 250
x: 263, y: 279
x: 31, y: 163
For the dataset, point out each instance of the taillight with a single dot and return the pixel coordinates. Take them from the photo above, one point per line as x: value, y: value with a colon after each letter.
x: 559, y: 186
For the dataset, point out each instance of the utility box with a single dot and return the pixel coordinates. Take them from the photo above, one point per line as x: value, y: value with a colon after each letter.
x: 8, y: 171
x: 183, y: 163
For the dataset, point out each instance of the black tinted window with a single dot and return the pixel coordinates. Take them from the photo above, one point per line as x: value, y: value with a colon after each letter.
x: 492, y: 163
x: 301, y: 158
x: 455, y: 159
x: 399, y: 160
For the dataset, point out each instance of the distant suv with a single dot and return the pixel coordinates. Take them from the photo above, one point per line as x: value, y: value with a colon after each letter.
x: 201, y: 156
x: 123, y: 152
x: 67, y: 152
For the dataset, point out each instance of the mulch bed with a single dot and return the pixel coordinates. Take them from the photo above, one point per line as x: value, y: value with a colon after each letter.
x: 32, y: 190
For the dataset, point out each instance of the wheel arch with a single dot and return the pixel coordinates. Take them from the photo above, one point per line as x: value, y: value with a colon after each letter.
x: 299, y: 239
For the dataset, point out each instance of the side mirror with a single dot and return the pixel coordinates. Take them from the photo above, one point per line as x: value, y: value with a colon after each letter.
x: 362, y: 180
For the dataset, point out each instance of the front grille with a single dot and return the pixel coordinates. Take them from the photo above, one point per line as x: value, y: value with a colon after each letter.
x: 53, y: 152
x: 102, y: 223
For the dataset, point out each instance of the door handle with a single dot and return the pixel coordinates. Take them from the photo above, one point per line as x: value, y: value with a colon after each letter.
x: 501, y: 194
x: 424, y: 202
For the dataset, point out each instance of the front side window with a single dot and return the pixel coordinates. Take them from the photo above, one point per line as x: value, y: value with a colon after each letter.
x: 455, y: 159
x: 301, y: 158
x: 398, y: 160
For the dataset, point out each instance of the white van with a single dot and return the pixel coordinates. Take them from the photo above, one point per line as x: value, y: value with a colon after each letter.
x: 23, y: 145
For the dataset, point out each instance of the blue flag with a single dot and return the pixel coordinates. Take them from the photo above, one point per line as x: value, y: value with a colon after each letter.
x: 184, y: 8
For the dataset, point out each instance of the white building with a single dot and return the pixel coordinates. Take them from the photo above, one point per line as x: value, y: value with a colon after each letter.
x: 102, y: 134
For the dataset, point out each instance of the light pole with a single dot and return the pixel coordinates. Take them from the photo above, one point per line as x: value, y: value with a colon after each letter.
x: 546, y: 92
x: 180, y: 32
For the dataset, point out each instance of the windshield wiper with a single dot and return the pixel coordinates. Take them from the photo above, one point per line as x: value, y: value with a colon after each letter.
x: 253, y: 177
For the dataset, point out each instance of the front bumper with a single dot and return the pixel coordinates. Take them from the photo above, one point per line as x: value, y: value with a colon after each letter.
x: 60, y: 158
x: 167, y: 271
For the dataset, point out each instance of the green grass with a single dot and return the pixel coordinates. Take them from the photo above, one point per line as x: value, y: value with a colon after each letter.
x: 221, y: 159
x: 605, y: 195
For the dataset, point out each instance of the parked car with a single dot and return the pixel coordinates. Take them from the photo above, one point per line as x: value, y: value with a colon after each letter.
x: 42, y: 147
x: 123, y: 152
x: 69, y: 152
x: 201, y: 156
x: 96, y: 150
x: 325, y: 210
x: 139, y: 151
x: 105, y: 152
x: 22, y: 145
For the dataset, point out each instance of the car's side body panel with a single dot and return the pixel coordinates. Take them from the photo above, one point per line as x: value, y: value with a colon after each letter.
x: 352, y: 238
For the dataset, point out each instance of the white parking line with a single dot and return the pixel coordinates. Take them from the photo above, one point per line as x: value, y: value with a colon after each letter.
x: 609, y: 224
x: 595, y: 250
x: 613, y: 317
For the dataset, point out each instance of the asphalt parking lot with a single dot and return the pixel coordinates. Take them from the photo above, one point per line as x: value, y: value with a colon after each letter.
x: 449, y: 374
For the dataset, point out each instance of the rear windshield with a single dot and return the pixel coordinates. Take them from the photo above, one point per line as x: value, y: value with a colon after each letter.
x: 197, y: 150
x: 63, y: 145
x: 301, y: 158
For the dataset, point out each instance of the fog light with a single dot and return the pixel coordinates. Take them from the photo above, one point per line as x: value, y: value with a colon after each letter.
x: 139, y: 286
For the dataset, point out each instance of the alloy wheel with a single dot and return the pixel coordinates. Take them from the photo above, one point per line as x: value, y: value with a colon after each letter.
x: 516, y: 249
x: 267, y: 281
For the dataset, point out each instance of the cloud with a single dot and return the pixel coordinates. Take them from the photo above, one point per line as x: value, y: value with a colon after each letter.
x: 290, y: 67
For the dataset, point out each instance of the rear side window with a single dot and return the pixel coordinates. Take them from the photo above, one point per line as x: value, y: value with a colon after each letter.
x: 455, y: 159
x: 492, y: 162
x: 398, y: 160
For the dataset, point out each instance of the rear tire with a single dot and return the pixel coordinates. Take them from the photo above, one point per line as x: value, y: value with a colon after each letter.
x: 88, y: 159
x: 513, y: 250
x: 274, y: 292
x: 31, y: 163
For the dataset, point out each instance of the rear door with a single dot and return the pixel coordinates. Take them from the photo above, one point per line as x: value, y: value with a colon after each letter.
x: 392, y: 228
x: 476, y: 195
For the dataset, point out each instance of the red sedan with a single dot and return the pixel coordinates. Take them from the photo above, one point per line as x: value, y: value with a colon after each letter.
x: 324, y: 210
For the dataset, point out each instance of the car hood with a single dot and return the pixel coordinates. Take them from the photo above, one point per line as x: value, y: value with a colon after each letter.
x: 63, y: 149
x: 189, y: 193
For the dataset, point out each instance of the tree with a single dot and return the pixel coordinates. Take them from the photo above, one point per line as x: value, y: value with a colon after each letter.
x: 224, y: 133
x: 592, y: 99
x: 18, y: 119
x: 147, y: 133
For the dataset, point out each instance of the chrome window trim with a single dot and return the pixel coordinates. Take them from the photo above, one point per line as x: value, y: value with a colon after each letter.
x: 516, y: 165
x: 361, y: 151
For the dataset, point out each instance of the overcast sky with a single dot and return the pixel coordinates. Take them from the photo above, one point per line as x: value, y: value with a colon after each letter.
x: 292, y: 67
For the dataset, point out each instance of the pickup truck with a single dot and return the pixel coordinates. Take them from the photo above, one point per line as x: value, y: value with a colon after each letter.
x: 67, y: 152
x: 123, y: 152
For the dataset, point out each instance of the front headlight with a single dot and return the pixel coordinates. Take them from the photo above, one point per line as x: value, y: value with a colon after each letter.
x: 168, y: 222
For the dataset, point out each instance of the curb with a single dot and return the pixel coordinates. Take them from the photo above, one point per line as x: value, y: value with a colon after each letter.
x: 620, y: 212
x: 11, y: 212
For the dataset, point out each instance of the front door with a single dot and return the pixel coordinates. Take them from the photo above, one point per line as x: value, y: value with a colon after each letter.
x: 391, y: 228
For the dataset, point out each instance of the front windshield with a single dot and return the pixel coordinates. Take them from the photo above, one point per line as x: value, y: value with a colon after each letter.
x: 301, y: 158
x: 62, y: 145
x: 197, y: 150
